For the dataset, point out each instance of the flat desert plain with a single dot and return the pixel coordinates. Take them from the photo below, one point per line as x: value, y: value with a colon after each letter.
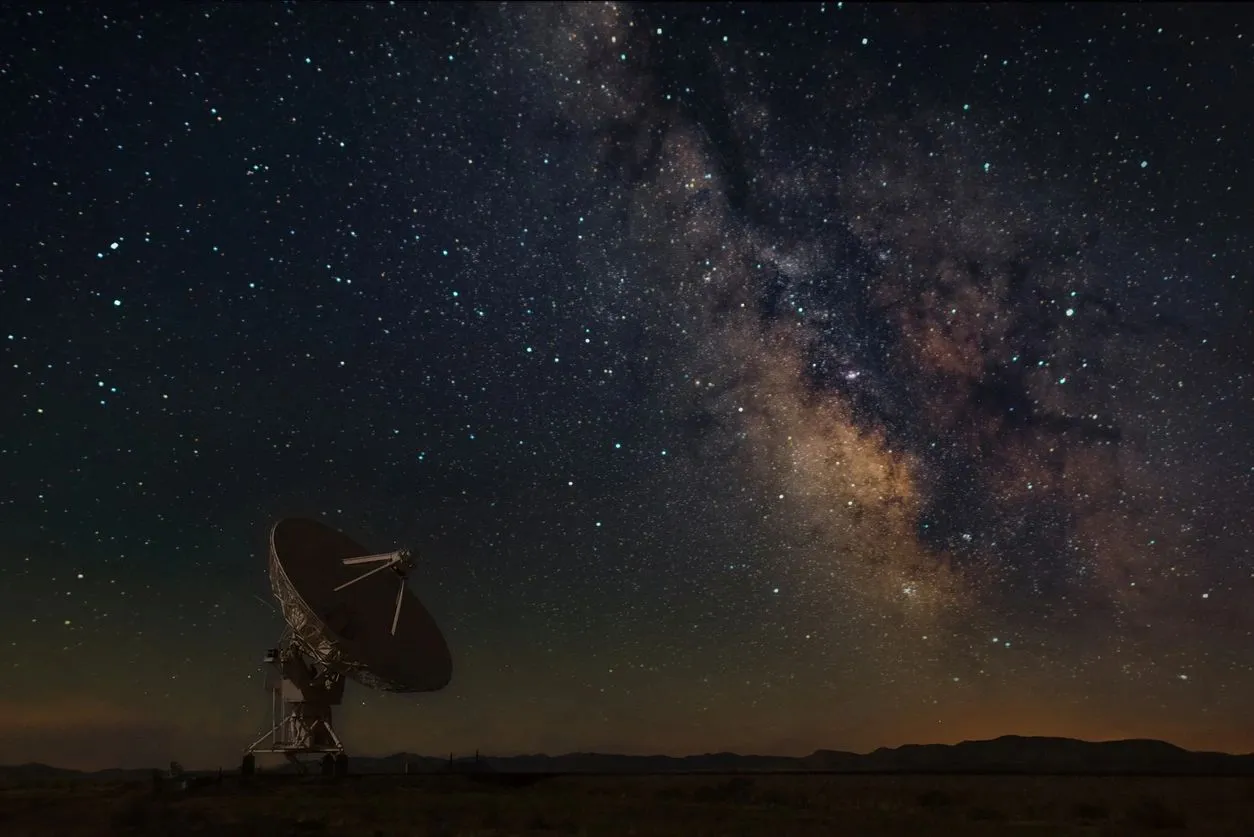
x: 777, y: 805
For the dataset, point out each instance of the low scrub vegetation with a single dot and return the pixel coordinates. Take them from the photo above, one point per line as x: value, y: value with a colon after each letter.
x: 640, y: 806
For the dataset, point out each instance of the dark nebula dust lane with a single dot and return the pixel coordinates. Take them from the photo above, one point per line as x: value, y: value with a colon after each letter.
x: 748, y: 378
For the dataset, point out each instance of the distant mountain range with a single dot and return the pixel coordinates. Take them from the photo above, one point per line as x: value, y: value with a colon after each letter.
x: 34, y: 772
x: 1008, y: 754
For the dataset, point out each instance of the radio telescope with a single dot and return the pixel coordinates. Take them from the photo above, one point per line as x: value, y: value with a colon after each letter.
x: 349, y: 613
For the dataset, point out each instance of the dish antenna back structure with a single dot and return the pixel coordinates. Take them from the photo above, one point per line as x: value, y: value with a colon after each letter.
x: 349, y: 613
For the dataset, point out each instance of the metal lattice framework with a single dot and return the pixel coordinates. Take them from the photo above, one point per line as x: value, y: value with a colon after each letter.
x: 310, y: 634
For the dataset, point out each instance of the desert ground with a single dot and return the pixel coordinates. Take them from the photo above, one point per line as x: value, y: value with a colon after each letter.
x: 690, y: 805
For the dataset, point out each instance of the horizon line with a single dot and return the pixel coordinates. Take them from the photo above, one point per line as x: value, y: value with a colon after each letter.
x: 479, y: 755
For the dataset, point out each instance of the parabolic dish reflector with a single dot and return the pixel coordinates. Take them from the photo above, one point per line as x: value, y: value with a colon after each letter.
x: 351, y: 629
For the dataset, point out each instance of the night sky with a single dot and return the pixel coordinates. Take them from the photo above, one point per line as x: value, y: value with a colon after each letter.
x: 745, y: 378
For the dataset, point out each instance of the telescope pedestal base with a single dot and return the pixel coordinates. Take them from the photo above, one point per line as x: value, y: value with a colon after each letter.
x: 302, y: 698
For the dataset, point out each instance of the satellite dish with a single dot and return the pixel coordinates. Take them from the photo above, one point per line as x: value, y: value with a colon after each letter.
x: 349, y: 613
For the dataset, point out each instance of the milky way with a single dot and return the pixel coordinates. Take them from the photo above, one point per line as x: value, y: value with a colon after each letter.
x: 758, y: 379
x: 917, y: 335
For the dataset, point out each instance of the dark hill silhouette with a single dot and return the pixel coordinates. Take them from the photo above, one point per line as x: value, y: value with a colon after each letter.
x: 1008, y: 754
x: 34, y: 773
x: 1019, y: 754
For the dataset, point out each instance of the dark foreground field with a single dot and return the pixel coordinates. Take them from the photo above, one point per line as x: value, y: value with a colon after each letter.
x: 775, y: 805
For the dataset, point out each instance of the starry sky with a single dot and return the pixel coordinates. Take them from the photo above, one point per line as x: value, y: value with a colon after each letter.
x: 745, y: 378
